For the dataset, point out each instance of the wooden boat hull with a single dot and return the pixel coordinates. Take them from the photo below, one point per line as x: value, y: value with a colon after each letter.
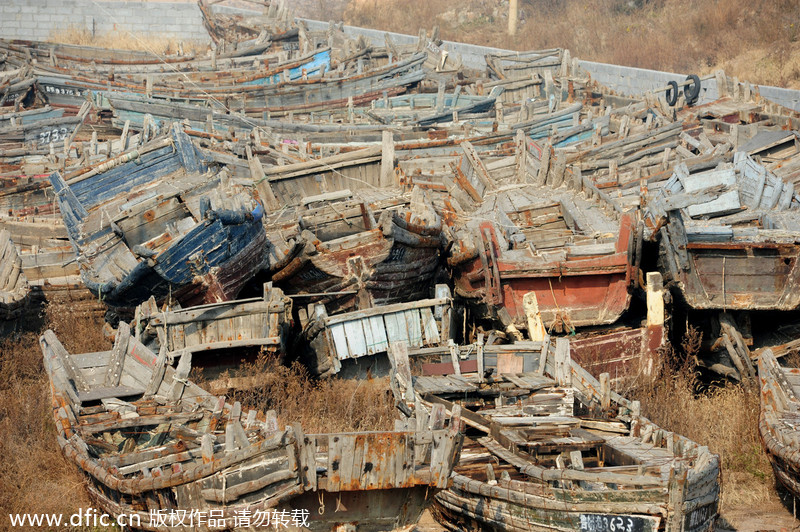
x: 776, y: 422
x: 737, y: 275
x: 14, y: 287
x: 572, y: 293
x: 356, y: 340
x: 472, y: 504
x: 384, y: 267
x: 368, y: 511
x: 170, y: 456
x: 299, y: 95
x: 525, y: 483
x: 209, y: 260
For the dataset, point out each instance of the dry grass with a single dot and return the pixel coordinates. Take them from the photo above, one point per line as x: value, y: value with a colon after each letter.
x: 754, y: 40
x: 35, y: 477
x: 722, y: 417
x: 125, y: 40
x: 329, y: 405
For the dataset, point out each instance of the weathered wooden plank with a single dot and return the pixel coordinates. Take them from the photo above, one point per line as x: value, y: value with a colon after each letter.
x: 356, y: 342
x: 337, y: 332
x: 114, y: 371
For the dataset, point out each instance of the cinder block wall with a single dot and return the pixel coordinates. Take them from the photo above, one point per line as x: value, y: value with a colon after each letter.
x: 38, y: 19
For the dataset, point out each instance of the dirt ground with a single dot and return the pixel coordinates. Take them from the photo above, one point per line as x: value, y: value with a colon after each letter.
x: 762, y: 517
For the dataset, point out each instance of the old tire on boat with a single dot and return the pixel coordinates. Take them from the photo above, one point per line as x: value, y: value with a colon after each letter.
x: 692, y: 90
x: 672, y: 93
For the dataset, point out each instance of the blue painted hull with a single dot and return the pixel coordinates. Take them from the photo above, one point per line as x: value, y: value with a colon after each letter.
x: 209, y: 261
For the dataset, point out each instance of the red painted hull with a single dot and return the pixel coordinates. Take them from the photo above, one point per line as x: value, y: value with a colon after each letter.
x: 575, y: 292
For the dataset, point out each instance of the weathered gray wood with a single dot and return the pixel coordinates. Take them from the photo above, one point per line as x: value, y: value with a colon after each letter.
x: 114, y: 371
x: 181, y: 374
x: 398, y: 356
x: 158, y: 372
x: 562, y: 359
x: 605, y: 391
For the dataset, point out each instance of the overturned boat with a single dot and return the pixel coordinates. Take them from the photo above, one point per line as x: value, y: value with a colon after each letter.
x: 351, y: 257
x: 359, y: 341
x: 155, y: 222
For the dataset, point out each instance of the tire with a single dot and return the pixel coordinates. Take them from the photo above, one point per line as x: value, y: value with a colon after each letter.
x: 692, y: 91
x: 672, y: 93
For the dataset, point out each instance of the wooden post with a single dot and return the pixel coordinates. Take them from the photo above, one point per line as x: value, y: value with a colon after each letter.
x: 117, y: 359
x: 398, y: 357
x: 605, y: 391
x: 536, y: 329
x: 636, y: 412
x: 563, y: 370
x: 207, y: 448
x: 387, y: 159
x: 124, y: 137
x: 513, y: 16
x: 480, y: 357
x: 270, y: 423
x: 261, y: 181
x: 722, y: 83
x: 180, y: 376
x: 521, y: 159
x: 655, y: 299
x: 454, y: 357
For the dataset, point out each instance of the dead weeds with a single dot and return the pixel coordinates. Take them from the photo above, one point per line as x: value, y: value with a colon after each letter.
x: 35, y: 478
x: 328, y: 405
x: 753, y: 40
x: 723, y: 417
x: 125, y: 40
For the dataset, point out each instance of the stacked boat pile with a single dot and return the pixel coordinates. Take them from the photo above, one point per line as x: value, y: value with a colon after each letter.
x: 367, y: 208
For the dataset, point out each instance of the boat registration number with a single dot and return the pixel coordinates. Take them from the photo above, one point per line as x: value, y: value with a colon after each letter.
x: 699, y: 516
x: 614, y: 523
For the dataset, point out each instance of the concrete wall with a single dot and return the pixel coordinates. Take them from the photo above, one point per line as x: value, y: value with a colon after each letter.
x: 626, y: 80
x: 37, y: 19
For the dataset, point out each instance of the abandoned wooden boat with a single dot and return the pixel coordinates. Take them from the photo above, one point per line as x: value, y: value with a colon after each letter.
x: 728, y: 237
x: 14, y: 288
x: 348, y: 256
x: 527, y: 244
x: 261, y: 322
x: 522, y: 65
x: 41, y: 130
x: 256, y: 95
x: 779, y: 418
x: 239, y: 34
x: 426, y: 110
x: 154, y: 222
x: 44, y: 52
x: 554, y: 448
x: 150, y: 441
x: 356, y: 343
